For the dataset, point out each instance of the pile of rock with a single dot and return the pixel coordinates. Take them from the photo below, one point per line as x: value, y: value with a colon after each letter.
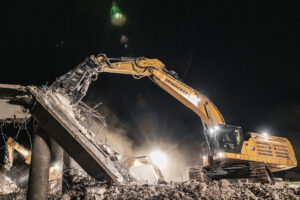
x: 7, y: 186
x: 185, y: 190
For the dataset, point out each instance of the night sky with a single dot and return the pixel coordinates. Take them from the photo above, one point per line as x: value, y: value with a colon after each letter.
x: 242, y: 55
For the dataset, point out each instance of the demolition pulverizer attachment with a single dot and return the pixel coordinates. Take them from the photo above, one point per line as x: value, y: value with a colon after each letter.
x: 76, y: 82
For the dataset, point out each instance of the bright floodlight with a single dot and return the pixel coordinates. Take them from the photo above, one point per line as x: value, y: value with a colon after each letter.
x: 159, y: 158
x: 265, y: 133
x: 137, y: 163
x: 221, y: 155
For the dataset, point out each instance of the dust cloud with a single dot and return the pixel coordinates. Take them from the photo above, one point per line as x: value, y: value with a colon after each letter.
x: 116, y: 134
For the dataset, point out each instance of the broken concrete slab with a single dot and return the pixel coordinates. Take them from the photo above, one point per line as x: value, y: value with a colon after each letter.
x: 11, y: 111
x: 64, y: 123
x: 11, y: 91
x: 10, y: 107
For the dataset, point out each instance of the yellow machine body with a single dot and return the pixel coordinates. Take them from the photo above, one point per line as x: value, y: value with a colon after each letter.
x: 277, y: 152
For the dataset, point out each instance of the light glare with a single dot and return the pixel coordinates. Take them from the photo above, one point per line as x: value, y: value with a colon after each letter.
x: 265, y: 133
x: 159, y: 158
x: 137, y: 163
x: 217, y: 127
x: 221, y: 155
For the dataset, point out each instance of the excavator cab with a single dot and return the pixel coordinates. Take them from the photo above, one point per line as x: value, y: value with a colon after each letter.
x: 229, y: 138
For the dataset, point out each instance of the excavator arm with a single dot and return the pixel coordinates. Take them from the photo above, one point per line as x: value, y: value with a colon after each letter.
x: 156, y: 71
x: 11, y: 145
x: 168, y: 81
x: 76, y: 83
x: 146, y: 160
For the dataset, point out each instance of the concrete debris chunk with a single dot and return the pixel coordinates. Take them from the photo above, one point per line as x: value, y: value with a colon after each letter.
x: 224, y: 183
x: 65, y: 197
x: 7, y: 186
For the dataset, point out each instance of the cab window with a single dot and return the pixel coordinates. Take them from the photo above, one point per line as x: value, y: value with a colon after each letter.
x: 229, y: 139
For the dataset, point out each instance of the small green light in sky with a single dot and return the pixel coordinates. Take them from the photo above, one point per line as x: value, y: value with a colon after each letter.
x: 117, y: 18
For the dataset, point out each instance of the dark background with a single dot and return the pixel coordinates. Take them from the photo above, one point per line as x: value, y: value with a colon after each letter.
x: 242, y: 55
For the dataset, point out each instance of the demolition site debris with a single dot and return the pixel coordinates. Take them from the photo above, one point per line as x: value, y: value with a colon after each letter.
x: 91, y: 189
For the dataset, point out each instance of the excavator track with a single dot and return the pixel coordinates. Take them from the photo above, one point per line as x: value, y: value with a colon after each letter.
x: 260, y: 172
x: 255, y: 172
x: 198, y: 173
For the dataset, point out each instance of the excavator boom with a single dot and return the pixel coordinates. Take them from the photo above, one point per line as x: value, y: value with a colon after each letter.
x: 156, y: 71
x: 12, y: 145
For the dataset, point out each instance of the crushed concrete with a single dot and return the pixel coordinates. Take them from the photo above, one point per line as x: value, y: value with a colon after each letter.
x: 91, y: 189
x: 7, y: 186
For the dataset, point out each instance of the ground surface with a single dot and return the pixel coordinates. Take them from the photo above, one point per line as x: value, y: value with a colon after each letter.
x: 186, y: 190
x: 90, y: 189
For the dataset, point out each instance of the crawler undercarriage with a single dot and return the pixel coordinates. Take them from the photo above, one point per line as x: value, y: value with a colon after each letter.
x: 243, y: 172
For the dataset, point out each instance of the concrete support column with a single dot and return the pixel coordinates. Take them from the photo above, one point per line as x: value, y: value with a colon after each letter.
x: 39, y: 168
x: 57, y: 164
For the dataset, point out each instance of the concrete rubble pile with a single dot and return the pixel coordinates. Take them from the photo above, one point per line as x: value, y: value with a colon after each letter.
x: 8, y: 186
x: 90, y: 189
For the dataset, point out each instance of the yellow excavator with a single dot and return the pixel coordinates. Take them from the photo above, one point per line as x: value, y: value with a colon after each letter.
x: 55, y: 171
x: 230, y: 153
x: 11, y: 146
x: 146, y: 160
